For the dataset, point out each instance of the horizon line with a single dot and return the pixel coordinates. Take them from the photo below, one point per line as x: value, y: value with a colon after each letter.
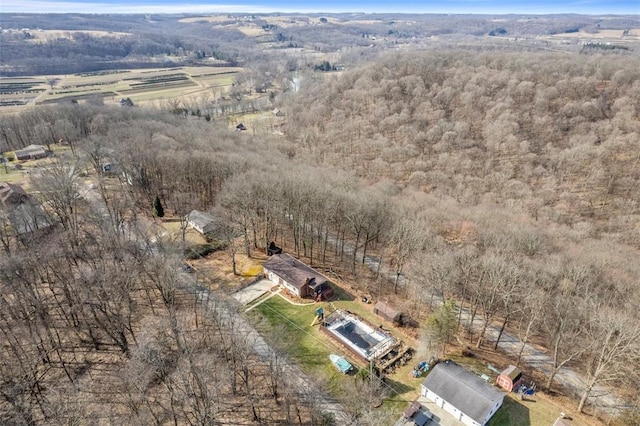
x: 89, y: 7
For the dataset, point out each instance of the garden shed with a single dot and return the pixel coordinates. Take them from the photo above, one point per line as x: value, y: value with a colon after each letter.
x: 388, y: 312
x: 510, y: 378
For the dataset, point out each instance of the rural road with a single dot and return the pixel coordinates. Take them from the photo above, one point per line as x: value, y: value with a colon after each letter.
x: 294, y: 374
x: 226, y: 310
x: 602, y: 399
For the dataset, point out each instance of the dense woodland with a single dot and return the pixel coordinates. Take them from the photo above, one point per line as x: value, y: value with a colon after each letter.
x: 505, y: 183
x: 98, y: 323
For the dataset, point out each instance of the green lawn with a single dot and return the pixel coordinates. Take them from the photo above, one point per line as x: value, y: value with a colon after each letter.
x: 12, y: 177
x: 304, y: 343
x: 538, y: 412
x: 310, y: 348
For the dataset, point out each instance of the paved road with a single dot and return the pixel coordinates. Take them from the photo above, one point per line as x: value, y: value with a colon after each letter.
x: 605, y: 399
x: 266, y: 352
x: 296, y: 376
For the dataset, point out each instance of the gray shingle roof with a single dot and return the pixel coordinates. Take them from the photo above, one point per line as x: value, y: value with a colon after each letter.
x: 463, y: 389
x: 205, y: 221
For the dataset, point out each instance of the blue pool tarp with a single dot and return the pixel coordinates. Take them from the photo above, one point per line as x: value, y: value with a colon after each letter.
x: 340, y: 363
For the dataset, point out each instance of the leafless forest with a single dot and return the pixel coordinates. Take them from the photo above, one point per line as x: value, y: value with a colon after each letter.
x: 503, y: 179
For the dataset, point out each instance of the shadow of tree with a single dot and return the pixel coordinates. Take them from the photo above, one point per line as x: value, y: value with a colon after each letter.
x: 398, y: 387
x: 341, y: 294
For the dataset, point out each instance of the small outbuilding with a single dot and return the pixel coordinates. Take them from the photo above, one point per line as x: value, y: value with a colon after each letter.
x: 387, y: 312
x: 273, y: 249
x: 510, y: 378
x: 461, y: 393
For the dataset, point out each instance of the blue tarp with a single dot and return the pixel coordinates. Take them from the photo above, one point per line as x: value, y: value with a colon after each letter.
x: 340, y: 363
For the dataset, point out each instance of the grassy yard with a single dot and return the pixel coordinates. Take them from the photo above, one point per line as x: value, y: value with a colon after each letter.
x: 12, y: 175
x: 303, y: 342
x: 536, y: 412
x: 310, y: 348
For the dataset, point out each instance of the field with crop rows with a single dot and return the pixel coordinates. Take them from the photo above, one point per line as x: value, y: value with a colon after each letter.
x: 139, y: 85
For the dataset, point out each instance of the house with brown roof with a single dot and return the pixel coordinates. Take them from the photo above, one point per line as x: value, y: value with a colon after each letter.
x: 296, y: 277
x: 31, y: 152
x: 25, y: 214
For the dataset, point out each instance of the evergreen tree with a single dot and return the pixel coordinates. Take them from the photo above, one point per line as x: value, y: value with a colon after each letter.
x: 441, y: 325
x: 158, y: 210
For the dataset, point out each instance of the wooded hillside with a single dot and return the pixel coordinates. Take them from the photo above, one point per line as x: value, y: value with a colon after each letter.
x: 551, y: 135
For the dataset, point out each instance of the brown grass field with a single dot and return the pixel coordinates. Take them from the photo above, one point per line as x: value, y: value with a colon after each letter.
x: 145, y: 85
x: 42, y: 36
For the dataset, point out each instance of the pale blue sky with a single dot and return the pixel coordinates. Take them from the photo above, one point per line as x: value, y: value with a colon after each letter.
x: 368, y: 6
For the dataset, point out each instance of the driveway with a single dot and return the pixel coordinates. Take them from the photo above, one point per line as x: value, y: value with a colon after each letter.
x: 252, y: 292
x: 440, y: 416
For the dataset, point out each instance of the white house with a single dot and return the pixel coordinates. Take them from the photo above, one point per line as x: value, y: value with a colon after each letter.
x: 202, y: 222
x: 461, y: 393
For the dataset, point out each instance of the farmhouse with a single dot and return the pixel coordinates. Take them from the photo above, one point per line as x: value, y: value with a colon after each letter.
x: 461, y: 393
x: 510, y: 378
x: 201, y: 221
x: 387, y: 312
x: 298, y: 278
x: 31, y: 152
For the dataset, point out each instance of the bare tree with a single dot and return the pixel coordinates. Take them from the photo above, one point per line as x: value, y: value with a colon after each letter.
x: 616, y: 341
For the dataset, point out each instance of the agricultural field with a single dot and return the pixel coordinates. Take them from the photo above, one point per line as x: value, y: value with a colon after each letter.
x: 619, y: 37
x: 140, y: 86
x: 20, y: 90
x: 43, y: 36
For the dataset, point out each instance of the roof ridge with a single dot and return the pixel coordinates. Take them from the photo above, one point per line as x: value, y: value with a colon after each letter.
x: 471, y: 375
